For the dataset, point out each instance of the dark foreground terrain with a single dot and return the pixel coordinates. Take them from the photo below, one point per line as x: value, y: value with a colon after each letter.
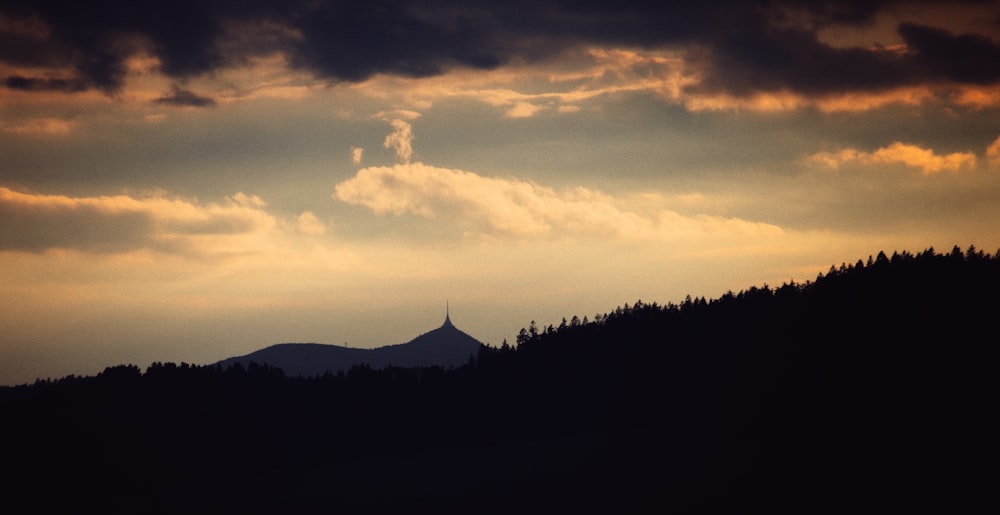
x: 868, y: 390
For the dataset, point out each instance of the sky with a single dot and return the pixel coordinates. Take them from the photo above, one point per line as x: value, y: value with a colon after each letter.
x: 187, y: 181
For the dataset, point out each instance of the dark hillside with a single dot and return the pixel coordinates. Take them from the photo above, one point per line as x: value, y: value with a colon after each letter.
x: 868, y: 390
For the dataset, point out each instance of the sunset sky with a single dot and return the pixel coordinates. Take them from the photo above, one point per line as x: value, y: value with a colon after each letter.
x: 193, y: 180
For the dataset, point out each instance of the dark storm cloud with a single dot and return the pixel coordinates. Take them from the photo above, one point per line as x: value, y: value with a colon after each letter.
x: 352, y: 42
x: 963, y: 58
x: 182, y: 97
x: 742, y: 47
x: 752, y: 59
x: 96, y: 37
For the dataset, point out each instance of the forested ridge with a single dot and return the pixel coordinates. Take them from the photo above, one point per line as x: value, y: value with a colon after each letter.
x: 869, y: 389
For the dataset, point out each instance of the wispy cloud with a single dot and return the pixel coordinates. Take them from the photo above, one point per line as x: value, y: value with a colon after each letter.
x: 400, y: 140
x: 668, y: 74
x: 39, y: 126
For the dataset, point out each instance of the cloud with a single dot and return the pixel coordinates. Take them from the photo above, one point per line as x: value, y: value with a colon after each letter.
x: 734, y: 48
x: 308, y: 223
x: 402, y: 114
x: 522, y: 91
x: 525, y: 91
x: 356, y: 154
x: 511, y: 207
x: 123, y: 223
x: 39, y: 126
x: 490, y: 206
x: 978, y: 97
x: 788, y: 100
x: 184, y: 98
x: 993, y: 151
x: 925, y: 159
x: 963, y: 58
x: 400, y: 140
x: 71, y: 85
x: 522, y: 110
x: 897, y: 153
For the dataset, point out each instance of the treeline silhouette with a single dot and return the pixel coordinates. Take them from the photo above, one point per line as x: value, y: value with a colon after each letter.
x: 868, y: 390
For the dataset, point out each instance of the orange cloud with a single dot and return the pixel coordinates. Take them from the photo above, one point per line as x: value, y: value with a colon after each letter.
x: 925, y: 159
x: 978, y: 97
x: 523, y: 110
x: 790, y: 101
x: 897, y: 153
x: 993, y: 151
x: 40, y: 126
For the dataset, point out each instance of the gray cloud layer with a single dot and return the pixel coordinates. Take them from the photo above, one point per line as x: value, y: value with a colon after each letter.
x: 745, y: 47
x: 37, y: 223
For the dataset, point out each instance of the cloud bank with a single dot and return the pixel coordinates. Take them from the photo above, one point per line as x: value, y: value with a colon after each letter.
x: 737, y: 49
x: 123, y: 223
x: 489, y: 206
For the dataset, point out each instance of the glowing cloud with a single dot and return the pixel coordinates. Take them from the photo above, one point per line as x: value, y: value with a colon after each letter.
x: 978, y: 97
x: 897, y: 153
x: 519, y: 208
x: 925, y: 159
x: 356, y: 154
x: 522, y: 110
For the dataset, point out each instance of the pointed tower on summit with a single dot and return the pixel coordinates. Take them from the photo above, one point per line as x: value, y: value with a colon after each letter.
x: 446, y: 346
x: 447, y: 317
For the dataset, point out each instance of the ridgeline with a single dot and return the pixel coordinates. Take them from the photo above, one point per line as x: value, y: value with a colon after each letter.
x: 868, y: 390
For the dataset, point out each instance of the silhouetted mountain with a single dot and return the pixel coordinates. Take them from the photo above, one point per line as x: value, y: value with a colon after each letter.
x: 869, y: 390
x: 446, y: 346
